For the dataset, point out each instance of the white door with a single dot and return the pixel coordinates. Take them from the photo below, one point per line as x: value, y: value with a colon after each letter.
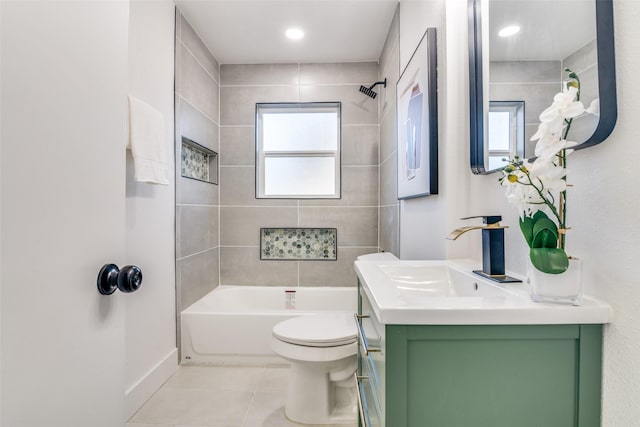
x: 63, y: 110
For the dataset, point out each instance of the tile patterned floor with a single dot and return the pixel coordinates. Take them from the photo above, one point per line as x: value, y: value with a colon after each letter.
x: 220, y: 396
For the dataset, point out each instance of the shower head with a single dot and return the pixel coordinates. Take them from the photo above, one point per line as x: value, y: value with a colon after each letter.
x: 369, y: 90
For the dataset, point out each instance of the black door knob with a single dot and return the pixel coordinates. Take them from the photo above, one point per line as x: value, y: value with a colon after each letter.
x: 128, y: 279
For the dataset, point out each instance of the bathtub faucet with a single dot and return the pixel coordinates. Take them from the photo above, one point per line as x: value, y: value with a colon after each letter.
x: 493, y: 265
x: 290, y: 299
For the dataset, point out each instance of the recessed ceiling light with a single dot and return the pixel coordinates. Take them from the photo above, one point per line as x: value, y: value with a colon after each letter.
x: 294, y: 33
x: 509, y: 31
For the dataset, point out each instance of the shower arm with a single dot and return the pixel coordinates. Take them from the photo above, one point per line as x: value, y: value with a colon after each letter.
x: 383, y: 82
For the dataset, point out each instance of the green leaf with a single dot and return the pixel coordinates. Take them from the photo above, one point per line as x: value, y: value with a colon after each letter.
x: 549, y: 260
x: 545, y: 234
x: 526, y: 226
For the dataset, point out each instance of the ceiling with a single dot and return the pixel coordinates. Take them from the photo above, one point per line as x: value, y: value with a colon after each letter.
x: 252, y: 31
x: 550, y: 29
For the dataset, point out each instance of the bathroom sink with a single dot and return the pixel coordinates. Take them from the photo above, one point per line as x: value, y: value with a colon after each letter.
x: 438, y: 279
x: 449, y: 293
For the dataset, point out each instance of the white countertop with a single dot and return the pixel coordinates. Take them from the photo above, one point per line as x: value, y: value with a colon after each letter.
x: 398, y: 299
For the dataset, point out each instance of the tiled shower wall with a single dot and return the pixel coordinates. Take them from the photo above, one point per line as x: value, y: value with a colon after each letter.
x: 355, y: 215
x: 197, y: 118
x: 389, y: 209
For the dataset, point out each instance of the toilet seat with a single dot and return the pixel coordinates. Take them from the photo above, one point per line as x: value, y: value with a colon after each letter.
x: 317, y: 330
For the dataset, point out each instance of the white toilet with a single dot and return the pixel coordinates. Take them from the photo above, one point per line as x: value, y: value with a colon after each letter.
x: 322, y: 350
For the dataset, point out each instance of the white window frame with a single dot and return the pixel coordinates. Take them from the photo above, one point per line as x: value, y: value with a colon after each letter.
x: 516, y: 129
x: 261, y: 154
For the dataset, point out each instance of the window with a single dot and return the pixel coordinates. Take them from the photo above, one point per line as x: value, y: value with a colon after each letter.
x: 298, y: 150
x: 506, y: 132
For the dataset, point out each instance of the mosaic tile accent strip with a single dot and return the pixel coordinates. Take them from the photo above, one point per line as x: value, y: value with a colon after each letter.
x: 195, y: 163
x: 304, y: 244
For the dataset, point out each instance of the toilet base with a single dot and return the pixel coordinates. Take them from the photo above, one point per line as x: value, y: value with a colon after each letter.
x: 313, y: 399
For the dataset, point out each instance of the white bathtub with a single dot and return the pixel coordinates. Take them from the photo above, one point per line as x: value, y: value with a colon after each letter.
x: 232, y: 324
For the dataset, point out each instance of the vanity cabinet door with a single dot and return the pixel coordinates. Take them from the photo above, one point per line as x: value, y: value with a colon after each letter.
x: 494, y: 376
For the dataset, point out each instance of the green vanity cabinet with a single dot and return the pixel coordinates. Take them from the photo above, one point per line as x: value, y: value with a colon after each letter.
x: 478, y: 375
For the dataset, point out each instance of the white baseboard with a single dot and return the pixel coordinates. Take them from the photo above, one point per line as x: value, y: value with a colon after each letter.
x: 144, y: 388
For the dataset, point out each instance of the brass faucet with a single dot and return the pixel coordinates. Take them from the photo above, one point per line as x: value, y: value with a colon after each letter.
x: 492, y: 247
x: 460, y: 231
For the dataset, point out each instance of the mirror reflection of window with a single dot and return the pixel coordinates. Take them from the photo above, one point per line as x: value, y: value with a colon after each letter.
x: 298, y: 150
x: 505, y: 132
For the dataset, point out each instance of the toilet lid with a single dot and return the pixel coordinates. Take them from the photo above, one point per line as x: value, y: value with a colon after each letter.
x: 317, y: 330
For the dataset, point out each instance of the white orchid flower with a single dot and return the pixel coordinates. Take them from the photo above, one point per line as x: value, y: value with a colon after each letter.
x: 594, y: 107
x: 551, y: 177
x: 549, y: 129
x: 548, y: 148
x: 524, y: 198
x: 564, y: 106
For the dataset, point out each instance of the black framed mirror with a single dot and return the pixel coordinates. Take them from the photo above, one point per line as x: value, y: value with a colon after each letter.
x: 527, y: 67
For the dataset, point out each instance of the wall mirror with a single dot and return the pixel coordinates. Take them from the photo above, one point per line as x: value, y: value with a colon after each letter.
x: 527, y: 66
x: 298, y: 150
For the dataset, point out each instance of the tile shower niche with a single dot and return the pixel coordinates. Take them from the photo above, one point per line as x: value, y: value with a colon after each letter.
x: 310, y: 244
x: 199, y: 162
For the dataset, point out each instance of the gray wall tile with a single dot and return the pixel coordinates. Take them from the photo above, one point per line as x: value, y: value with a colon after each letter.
x: 389, y: 226
x: 389, y: 213
x: 195, y: 45
x: 237, y: 146
x: 237, y: 188
x: 356, y: 226
x: 536, y: 96
x: 357, y: 108
x: 388, y: 134
x: 198, y: 276
x: 198, y: 229
x: 359, y: 188
x: 196, y: 126
x: 196, y: 117
x: 241, y: 226
x: 387, y: 96
x: 360, y: 73
x: 238, y: 103
x: 196, y: 85
x: 259, y: 74
x: 360, y: 145
x: 194, y: 192
x: 389, y: 181
x: 582, y: 59
x: 242, y: 214
x: 242, y: 266
x: 524, y: 71
x: 588, y: 85
x: 333, y: 273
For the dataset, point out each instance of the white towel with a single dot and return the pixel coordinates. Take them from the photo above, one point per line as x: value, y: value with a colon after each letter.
x: 146, y: 140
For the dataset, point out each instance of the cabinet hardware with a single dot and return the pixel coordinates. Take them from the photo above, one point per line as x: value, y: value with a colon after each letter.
x: 361, y: 337
x: 363, y: 419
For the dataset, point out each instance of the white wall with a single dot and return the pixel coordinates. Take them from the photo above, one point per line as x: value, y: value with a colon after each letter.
x: 151, y: 353
x: 425, y: 221
x: 603, y: 206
